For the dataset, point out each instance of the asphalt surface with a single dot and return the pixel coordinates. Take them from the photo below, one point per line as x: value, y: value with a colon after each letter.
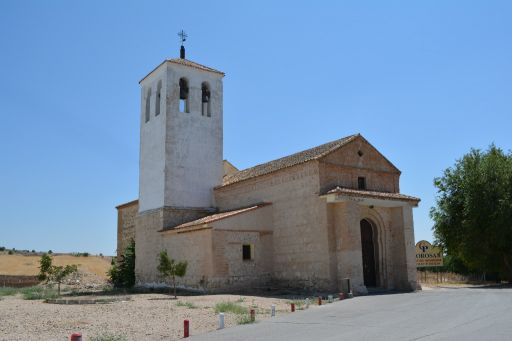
x: 439, y: 314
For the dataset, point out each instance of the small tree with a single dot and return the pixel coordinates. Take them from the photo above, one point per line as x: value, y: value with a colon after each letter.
x: 54, y: 273
x: 168, y: 267
x: 45, y: 265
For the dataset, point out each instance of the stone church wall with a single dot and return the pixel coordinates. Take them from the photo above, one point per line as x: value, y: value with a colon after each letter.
x: 126, y: 215
x: 231, y: 272
x: 300, y: 226
x: 343, y: 167
x: 149, y: 242
x: 196, y: 248
x: 229, y: 235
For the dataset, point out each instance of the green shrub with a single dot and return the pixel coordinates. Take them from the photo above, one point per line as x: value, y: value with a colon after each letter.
x: 122, y: 273
x: 2, y: 248
x: 230, y: 307
x: 10, y: 252
x: 39, y: 293
x: 8, y: 291
x: 108, y: 337
x: 189, y: 305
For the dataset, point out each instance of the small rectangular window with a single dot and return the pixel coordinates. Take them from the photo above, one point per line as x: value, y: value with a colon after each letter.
x: 247, y: 252
x: 361, y: 182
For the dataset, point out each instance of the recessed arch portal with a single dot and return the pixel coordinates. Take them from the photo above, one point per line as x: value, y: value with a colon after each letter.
x: 369, y: 252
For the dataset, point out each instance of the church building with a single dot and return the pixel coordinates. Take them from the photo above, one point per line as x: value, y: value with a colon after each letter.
x: 306, y: 221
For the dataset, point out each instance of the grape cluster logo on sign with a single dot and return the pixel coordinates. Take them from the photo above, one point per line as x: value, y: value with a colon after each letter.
x: 428, y: 255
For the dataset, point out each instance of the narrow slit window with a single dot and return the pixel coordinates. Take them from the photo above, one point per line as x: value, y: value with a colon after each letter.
x: 205, y: 100
x: 247, y: 252
x: 361, y: 182
x: 184, y: 105
x: 158, y: 98
x: 148, y: 104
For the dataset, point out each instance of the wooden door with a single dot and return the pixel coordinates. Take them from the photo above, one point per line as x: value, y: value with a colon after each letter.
x: 368, y: 250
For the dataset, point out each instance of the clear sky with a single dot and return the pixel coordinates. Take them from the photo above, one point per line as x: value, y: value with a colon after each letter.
x: 422, y: 81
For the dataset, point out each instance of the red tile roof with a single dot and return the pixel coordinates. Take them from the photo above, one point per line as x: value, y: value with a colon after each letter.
x: 190, y: 63
x: 185, y: 62
x: 287, y: 161
x: 373, y: 194
x: 130, y: 203
x: 217, y: 216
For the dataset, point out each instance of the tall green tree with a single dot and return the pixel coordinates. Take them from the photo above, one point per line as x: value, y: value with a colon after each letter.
x: 168, y: 267
x: 122, y: 271
x: 473, y: 212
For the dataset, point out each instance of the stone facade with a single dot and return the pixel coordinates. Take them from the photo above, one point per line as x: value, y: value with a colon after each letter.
x: 126, y: 215
x: 294, y: 222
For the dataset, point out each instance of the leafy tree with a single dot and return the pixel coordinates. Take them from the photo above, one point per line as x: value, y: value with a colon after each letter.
x: 473, y: 212
x: 122, y: 272
x: 45, y: 265
x: 168, y: 267
x: 54, y: 273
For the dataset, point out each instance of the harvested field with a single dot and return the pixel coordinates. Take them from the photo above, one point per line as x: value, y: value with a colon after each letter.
x: 28, y: 265
x: 143, y: 317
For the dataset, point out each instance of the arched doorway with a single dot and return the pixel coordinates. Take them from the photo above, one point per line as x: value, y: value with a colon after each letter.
x: 368, y: 250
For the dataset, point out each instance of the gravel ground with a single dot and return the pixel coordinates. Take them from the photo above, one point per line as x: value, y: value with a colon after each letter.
x: 142, y: 317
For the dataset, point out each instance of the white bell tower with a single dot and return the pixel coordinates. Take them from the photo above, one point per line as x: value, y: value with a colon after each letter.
x: 180, y: 136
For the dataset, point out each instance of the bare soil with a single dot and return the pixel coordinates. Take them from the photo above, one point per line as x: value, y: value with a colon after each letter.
x: 141, y: 317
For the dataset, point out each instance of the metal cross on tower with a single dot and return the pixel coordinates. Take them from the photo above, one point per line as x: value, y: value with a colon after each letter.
x: 183, y: 36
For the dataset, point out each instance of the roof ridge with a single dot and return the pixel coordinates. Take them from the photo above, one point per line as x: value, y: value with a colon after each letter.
x: 372, y: 193
x: 297, y: 158
x: 188, y: 62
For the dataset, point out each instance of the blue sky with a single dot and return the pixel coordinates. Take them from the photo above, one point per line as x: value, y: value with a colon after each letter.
x: 423, y: 81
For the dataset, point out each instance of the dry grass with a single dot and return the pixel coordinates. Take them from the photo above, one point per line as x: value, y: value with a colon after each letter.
x: 20, y: 265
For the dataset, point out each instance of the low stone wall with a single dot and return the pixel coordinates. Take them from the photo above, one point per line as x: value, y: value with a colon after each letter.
x: 18, y: 281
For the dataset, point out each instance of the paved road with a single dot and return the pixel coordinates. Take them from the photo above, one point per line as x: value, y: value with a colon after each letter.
x: 440, y: 314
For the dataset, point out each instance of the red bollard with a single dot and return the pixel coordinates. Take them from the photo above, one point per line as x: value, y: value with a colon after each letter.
x: 185, y: 327
x: 253, y: 315
x: 342, y: 296
x: 76, y: 337
x: 319, y: 300
x: 293, y: 307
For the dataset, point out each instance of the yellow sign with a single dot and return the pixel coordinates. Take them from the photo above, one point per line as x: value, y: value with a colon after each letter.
x: 428, y: 255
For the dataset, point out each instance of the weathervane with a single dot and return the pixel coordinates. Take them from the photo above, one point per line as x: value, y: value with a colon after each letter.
x: 183, y: 36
